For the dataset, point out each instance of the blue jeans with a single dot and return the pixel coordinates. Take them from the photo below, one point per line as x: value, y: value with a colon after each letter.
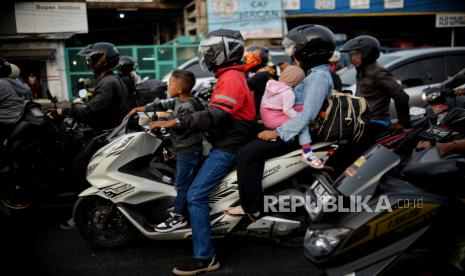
x: 186, y: 167
x: 216, y: 166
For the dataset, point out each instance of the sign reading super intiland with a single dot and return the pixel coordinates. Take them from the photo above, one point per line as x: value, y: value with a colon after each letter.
x: 51, y: 17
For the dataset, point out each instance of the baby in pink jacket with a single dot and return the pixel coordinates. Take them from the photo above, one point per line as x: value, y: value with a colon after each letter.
x: 277, y: 106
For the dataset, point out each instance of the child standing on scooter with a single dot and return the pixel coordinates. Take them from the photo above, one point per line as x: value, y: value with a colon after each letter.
x: 187, y: 143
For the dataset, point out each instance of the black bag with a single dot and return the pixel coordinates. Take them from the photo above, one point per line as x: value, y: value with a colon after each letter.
x: 148, y: 90
x: 342, y: 119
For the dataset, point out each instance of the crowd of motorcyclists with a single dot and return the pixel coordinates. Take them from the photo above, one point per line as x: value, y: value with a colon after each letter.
x: 233, y: 120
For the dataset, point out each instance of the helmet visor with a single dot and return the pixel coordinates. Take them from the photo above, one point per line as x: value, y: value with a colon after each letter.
x: 289, y: 46
x: 208, y: 54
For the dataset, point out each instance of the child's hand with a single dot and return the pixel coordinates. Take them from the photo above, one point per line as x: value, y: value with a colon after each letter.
x: 268, y: 135
x: 164, y: 115
x: 162, y: 124
x: 134, y: 110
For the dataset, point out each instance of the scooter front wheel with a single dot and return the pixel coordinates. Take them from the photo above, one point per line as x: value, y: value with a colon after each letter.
x: 100, y: 223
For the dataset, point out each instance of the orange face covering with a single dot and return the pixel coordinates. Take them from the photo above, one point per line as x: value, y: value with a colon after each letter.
x: 252, y: 59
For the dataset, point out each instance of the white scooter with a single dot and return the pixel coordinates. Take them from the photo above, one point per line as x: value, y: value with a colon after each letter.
x: 132, y: 190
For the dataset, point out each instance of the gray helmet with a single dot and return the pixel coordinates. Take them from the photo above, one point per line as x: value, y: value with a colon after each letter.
x: 220, y: 48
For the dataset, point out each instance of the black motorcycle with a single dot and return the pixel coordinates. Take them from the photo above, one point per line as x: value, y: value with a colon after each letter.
x: 423, y: 221
x: 45, y: 159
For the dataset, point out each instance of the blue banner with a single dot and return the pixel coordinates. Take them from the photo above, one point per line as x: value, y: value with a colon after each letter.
x: 253, y: 18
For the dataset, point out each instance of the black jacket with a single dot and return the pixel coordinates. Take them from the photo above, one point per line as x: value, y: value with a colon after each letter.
x: 223, y: 132
x: 107, y: 107
x: 378, y: 87
x: 257, y: 84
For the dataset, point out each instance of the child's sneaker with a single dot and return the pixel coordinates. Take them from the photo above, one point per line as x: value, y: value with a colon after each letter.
x: 172, y: 223
x: 312, y: 160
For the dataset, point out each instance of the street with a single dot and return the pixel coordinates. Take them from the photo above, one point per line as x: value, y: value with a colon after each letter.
x: 34, y: 244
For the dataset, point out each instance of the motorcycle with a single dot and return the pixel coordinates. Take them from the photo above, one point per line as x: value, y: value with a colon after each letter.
x: 40, y: 155
x: 132, y: 190
x: 422, y: 222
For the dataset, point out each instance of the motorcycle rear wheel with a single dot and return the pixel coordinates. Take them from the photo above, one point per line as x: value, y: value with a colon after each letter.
x: 100, y: 223
x: 17, y: 192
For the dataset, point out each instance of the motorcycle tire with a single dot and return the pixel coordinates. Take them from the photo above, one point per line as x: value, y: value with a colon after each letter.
x: 100, y: 223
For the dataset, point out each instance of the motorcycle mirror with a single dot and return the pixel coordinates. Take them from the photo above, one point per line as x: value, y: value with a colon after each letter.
x: 82, y: 93
x: 430, y: 113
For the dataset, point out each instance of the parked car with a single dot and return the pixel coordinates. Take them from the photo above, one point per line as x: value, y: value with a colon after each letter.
x: 414, y: 69
x: 204, y: 79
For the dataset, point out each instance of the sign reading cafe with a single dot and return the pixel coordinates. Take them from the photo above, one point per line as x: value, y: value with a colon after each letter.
x: 253, y: 18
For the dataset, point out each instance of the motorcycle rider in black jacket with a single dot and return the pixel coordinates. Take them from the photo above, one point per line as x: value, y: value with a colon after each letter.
x: 108, y: 105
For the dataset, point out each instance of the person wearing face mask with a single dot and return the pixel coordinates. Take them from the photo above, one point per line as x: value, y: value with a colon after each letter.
x: 377, y: 86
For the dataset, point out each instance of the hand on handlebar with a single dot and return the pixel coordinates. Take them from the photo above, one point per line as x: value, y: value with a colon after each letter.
x: 134, y: 110
x: 55, y: 113
x: 162, y: 124
x: 459, y: 91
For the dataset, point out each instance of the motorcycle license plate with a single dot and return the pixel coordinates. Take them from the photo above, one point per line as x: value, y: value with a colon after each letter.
x: 322, y: 194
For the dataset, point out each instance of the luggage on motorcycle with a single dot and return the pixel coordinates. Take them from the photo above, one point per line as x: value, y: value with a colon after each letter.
x: 148, y: 90
x: 342, y: 118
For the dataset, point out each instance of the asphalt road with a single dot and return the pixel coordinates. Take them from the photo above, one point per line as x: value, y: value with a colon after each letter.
x: 35, y: 245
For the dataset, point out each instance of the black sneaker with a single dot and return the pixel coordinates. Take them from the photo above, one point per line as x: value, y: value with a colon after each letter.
x: 195, y: 266
x: 172, y: 223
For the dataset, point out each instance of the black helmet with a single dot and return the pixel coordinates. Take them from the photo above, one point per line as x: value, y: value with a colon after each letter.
x: 255, y: 57
x: 100, y: 56
x: 5, y: 68
x: 220, y: 48
x: 290, y: 38
x: 314, y: 44
x: 368, y: 46
x: 126, y: 64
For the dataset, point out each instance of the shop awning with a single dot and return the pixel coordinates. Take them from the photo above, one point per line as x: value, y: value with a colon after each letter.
x: 37, y: 54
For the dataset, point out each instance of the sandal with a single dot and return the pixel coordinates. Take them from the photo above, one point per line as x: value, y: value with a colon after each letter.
x: 237, y: 211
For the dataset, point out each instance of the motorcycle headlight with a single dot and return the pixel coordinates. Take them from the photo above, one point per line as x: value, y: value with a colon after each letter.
x: 429, y: 96
x: 321, y: 242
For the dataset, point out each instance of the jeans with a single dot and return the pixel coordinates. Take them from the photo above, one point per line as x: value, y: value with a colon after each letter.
x: 216, y: 167
x: 186, y: 167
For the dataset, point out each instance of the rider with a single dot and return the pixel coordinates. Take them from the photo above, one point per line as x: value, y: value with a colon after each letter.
x: 126, y: 71
x: 377, y: 86
x: 229, y: 120
x: 257, y: 72
x: 311, y: 46
x: 108, y: 105
x: 13, y: 94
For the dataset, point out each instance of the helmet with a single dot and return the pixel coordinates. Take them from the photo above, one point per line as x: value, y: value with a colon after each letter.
x: 255, y: 57
x: 8, y: 69
x: 126, y: 64
x: 314, y: 44
x: 290, y: 38
x: 368, y: 46
x: 220, y: 48
x: 100, y: 56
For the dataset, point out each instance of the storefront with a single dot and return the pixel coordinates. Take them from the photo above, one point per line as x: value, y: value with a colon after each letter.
x: 397, y: 23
